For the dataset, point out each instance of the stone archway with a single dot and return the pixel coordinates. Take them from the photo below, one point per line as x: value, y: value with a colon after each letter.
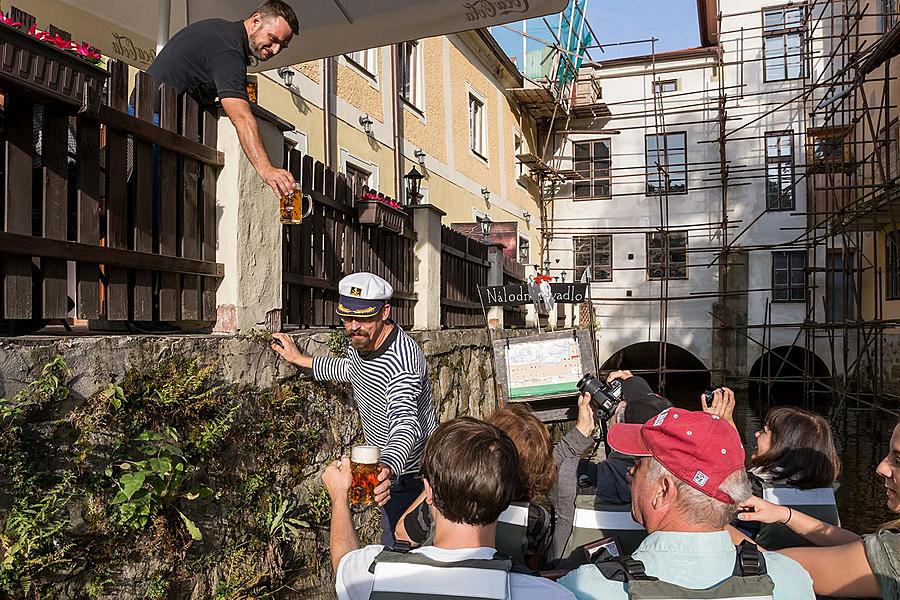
x: 788, y: 375
x: 686, y: 377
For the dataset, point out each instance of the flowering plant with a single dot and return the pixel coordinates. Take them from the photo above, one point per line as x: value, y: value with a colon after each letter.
x: 374, y: 197
x: 539, y: 279
x: 83, y: 50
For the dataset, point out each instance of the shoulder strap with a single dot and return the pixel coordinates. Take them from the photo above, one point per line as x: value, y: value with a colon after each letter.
x: 621, y: 568
x: 499, y: 562
x: 749, y: 561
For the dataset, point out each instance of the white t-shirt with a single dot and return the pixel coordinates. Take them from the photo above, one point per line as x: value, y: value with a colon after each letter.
x: 354, y: 581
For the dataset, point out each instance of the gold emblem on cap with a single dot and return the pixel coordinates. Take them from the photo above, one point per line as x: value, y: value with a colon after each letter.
x: 355, y: 291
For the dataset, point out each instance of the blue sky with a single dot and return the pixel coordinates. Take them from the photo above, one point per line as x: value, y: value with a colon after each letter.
x: 673, y: 22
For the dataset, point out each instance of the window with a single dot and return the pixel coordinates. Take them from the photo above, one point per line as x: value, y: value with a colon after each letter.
x: 524, y: 250
x: 826, y: 146
x: 780, y: 171
x: 789, y: 276
x: 667, y: 255
x: 892, y: 254
x: 410, y: 74
x: 520, y: 148
x: 840, y: 286
x: 667, y: 164
x: 592, y: 164
x: 357, y: 178
x: 593, y: 253
x: 783, y: 43
x: 476, y: 125
x: 661, y: 87
x: 365, y: 59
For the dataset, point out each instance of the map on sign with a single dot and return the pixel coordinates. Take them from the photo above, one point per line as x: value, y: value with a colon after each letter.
x: 543, y: 367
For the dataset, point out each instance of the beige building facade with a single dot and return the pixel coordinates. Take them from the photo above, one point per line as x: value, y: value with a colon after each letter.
x: 441, y: 105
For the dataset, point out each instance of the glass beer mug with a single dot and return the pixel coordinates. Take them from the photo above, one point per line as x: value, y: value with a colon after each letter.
x: 365, y: 468
x: 292, y: 212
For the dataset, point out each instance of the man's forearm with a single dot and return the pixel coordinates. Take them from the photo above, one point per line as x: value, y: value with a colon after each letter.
x: 248, y: 134
x: 343, y: 538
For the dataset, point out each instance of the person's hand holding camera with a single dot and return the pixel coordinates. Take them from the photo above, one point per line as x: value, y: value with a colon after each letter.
x: 586, y: 418
x: 623, y: 375
x: 720, y: 402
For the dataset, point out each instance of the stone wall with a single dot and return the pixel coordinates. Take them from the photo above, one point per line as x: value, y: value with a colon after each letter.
x: 245, y: 425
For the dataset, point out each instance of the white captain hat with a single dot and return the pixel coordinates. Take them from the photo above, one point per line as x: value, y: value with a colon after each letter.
x: 362, y: 295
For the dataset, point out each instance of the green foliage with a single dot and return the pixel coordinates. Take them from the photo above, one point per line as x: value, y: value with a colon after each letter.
x: 158, y: 586
x: 115, y: 395
x: 176, y: 382
x: 319, y: 508
x: 338, y: 342
x: 155, y: 482
x: 211, y: 433
x: 49, y: 386
x: 280, y: 524
x: 30, y: 538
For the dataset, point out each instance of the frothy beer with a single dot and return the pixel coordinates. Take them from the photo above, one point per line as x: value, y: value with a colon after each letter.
x: 365, y: 468
x: 292, y: 212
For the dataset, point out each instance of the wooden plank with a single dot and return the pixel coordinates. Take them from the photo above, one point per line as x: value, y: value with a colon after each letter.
x: 87, y: 275
x: 54, y: 210
x: 17, y: 270
x: 27, y: 245
x: 208, y: 218
x: 169, y: 283
x: 318, y: 245
x: 147, y: 132
x: 142, y: 201
x: 291, y: 247
x: 305, y: 243
x: 190, y: 241
x: 116, y: 222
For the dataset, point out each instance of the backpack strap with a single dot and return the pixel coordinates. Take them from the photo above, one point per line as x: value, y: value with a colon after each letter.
x: 749, y: 561
x: 498, y: 562
x: 621, y: 568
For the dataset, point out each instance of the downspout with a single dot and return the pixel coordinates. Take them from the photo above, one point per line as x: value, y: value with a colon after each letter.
x: 328, y: 105
x: 397, y: 117
x: 162, y: 30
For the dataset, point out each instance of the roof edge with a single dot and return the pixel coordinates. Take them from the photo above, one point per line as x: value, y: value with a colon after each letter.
x: 707, y: 18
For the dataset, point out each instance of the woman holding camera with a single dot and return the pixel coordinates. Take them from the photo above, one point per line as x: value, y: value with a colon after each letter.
x: 795, y: 465
x: 847, y: 565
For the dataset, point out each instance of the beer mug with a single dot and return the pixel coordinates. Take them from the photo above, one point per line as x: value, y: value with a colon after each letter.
x: 292, y: 212
x: 365, y: 468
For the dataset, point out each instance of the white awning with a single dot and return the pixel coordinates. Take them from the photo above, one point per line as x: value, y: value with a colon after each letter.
x: 128, y: 29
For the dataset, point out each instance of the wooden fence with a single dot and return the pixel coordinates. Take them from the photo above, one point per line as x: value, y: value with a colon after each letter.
x: 103, y: 209
x: 513, y: 274
x: 331, y: 243
x: 464, y: 267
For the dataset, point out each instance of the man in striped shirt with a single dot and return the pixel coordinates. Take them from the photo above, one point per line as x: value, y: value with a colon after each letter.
x: 389, y: 375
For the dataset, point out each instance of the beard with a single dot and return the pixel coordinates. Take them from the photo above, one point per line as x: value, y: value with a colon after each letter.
x: 359, y: 340
x: 256, y: 49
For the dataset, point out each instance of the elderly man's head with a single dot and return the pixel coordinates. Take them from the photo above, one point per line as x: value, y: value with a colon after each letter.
x: 689, y: 474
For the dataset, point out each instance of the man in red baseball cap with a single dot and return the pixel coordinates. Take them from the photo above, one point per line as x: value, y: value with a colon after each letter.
x: 686, y: 484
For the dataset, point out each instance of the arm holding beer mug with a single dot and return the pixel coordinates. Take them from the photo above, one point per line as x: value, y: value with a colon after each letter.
x: 338, y: 481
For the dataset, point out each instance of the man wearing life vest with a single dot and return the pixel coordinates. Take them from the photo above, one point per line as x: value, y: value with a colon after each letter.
x: 686, y: 483
x: 470, y: 470
x: 593, y: 500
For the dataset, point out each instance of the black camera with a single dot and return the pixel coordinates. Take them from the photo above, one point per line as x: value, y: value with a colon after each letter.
x: 604, y: 397
x: 708, y: 396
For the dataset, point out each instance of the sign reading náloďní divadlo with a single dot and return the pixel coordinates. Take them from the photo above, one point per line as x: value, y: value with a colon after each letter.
x: 519, y: 295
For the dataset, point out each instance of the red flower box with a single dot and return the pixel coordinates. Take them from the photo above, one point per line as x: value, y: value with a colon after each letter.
x: 380, y: 214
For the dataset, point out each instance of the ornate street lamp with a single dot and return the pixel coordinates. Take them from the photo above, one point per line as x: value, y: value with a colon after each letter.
x: 485, y: 223
x: 413, y: 185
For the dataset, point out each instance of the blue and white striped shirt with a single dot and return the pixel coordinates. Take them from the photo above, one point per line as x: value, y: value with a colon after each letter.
x: 393, y: 395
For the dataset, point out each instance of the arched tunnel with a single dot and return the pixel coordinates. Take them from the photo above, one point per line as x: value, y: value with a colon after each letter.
x: 683, y: 379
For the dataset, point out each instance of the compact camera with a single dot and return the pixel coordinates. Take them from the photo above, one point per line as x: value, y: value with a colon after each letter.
x: 708, y: 396
x: 604, y: 396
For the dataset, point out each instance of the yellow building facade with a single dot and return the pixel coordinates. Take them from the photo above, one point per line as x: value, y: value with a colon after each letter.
x: 453, y: 119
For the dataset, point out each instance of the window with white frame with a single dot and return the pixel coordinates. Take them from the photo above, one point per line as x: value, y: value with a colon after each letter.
x: 365, y: 59
x: 477, y: 141
x: 410, y: 76
x: 666, y: 86
x: 783, y: 43
x: 357, y: 178
x: 520, y: 148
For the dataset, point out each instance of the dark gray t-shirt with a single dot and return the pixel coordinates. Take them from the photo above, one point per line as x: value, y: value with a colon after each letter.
x: 206, y: 59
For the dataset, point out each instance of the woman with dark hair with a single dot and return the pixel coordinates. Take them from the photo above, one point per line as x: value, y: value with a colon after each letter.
x: 795, y: 465
x: 523, y: 529
x: 847, y: 565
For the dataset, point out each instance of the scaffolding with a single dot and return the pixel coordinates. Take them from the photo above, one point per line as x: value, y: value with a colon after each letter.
x: 848, y: 169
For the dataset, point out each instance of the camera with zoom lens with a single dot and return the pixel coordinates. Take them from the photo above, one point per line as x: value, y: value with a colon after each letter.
x: 604, y: 396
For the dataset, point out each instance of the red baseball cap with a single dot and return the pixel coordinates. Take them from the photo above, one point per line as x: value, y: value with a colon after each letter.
x: 698, y: 448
